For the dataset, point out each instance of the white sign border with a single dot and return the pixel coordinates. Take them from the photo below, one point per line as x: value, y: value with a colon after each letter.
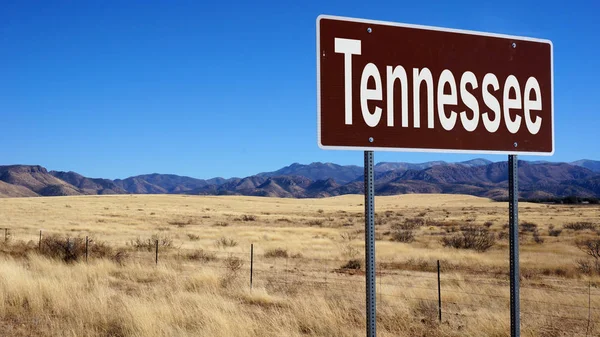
x: 440, y: 29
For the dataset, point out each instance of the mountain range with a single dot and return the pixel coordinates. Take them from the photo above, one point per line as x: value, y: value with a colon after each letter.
x: 480, y: 177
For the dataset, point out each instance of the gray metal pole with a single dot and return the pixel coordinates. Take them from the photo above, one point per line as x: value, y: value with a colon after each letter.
x: 370, y: 244
x: 513, y: 220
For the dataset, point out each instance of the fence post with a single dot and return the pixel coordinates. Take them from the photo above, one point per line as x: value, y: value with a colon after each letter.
x: 251, y: 263
x: 5, y: 234
x: 40, y: 242
x: 439, y: 292
x: 156, y: 252
x: 86, y: 249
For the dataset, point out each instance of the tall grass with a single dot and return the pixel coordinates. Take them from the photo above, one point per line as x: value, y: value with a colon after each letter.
x: 51, y: 298
x: 201, y: 288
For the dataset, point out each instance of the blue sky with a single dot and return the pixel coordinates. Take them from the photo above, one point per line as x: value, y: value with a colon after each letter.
x: 198, y: 88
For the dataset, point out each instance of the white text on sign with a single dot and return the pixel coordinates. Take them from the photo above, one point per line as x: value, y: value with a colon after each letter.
x: 491, y: 117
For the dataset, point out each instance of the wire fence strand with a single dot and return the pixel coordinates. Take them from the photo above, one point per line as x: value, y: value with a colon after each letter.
x: 397, y: 289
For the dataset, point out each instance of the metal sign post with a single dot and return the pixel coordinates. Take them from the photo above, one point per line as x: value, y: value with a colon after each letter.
x: 370, y: 244
x: 365, y: 79
x: 513, y: 220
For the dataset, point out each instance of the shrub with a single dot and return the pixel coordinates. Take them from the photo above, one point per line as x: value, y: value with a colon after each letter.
x: 537, y: 238
x: 248, y: 218
x: 380, y: 220
x: 585, y: 266
x: 349, y: 251
x: 352, y: 264
x: 149, y: 244
x: 451, y: 229
x: 590, y: 247
x: 488, y: 224
x: 436, y: 223
x: 180, y: 223
x: 410, y: 224
x: 193, y: 237
x: 315, y: 223
x: 224, y: 242
x: 555, y: 232
x: 71, y: 249
x: 349, y: 236
x: 233, y: 264
x: 277, y: 253
x: 221, y: 224
x: 120, y: 257
x: 471, y: 237
x: 18, y: 249
x: 403, y: 236
x: 528, y: 227
x: 64, y: 248
x: 581, y: 225
x: 164, y: 240
x: 320, y: 211
x: 201, y: 255
x: 141, y: 244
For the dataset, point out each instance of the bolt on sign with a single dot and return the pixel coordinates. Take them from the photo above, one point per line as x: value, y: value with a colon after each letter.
x: 397, y: 87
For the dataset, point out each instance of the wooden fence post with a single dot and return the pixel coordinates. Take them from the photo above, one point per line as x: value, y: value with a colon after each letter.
x: 251, y: 263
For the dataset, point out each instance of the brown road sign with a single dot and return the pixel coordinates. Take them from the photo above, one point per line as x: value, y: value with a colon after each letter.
x: 397, y: 87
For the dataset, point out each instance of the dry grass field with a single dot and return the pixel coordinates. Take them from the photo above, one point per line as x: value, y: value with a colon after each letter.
x: 308, y: 277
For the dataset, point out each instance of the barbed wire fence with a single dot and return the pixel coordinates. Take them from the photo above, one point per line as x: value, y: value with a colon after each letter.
x: 443, y: 292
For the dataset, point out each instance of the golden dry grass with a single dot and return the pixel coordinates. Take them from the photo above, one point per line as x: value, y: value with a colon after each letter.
x: 304, y: 294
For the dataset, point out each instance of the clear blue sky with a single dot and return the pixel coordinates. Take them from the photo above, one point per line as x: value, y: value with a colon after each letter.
x: 114, y: 89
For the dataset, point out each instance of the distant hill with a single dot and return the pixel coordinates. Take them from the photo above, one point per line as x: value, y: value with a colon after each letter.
x: 479, y: 177
x: 343, y: 174
x: 489, y: 180
x: 36, y: 179
x: 384, y: 166
x: 319, y: 171
x: 89, y: 185
x: 10, y: 190
x: 160, y: 183
x: 593, y: 165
